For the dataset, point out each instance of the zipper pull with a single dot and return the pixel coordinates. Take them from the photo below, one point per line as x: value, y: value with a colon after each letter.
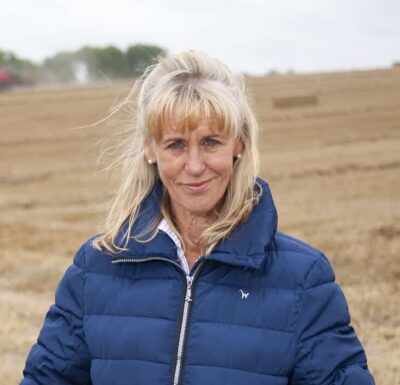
x: 189, y: 281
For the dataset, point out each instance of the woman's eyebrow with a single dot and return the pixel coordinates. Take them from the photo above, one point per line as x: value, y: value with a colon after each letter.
x: 172, y: 139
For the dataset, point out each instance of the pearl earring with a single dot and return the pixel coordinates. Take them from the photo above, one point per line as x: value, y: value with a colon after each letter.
x: 150, y: 161
x: 239, y: 156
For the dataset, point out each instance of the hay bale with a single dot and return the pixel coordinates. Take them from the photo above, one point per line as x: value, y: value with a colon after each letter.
x: 295, y: 101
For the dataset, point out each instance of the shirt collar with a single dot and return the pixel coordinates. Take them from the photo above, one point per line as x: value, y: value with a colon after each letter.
x: 166, y: 228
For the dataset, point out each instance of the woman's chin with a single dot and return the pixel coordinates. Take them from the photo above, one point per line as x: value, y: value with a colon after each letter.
x: 197, y: 207
x: 205, y: 211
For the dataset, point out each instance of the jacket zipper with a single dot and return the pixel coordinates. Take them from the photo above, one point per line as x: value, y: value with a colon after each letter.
x: 186, y: 307
x: 185, y: 317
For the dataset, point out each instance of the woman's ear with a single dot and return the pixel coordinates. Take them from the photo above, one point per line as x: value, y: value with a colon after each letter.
x: 238, y: 148
x: 149, y: 152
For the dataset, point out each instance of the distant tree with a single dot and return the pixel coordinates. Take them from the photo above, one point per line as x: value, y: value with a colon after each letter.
x: 110, y: 62
x: 11, y: 60
x: 103, y: 63
x: 59, y: 68
x: 140, y: 56
x: 273, y: 72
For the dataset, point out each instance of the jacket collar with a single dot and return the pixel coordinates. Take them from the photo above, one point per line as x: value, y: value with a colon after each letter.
x: 246, y: 246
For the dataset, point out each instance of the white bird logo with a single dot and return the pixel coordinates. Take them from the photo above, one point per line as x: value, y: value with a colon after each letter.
x: 244, y: 295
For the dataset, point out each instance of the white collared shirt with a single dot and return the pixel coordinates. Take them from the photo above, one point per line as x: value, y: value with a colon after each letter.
x: 164, y: 226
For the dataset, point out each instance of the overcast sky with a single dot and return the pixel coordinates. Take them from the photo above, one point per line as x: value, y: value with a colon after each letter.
x: 252, y: 36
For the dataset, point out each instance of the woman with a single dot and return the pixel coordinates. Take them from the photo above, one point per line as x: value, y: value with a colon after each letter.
x: 191, y: 283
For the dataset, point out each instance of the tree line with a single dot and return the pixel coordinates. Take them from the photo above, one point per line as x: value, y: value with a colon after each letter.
x: 86, y: 64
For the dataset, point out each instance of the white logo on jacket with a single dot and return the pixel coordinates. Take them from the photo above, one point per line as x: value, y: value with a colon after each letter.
x: 244, y: 295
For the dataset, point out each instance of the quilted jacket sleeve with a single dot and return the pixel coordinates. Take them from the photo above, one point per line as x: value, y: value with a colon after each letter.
x: 328, y: 350
x: 60, y: 355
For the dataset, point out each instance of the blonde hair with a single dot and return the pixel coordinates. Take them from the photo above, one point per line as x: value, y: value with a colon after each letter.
x: 189, y: 86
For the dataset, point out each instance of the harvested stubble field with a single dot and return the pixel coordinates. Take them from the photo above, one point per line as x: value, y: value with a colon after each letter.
x: 330, y: 151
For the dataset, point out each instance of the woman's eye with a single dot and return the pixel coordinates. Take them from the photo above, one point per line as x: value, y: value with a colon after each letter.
x: 178, y: 145
x: 210, y: 142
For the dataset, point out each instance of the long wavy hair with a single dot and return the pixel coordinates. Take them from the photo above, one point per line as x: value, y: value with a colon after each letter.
x: 190, y: 86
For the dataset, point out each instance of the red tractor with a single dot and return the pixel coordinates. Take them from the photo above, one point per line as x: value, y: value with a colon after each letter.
x: 7, y: 79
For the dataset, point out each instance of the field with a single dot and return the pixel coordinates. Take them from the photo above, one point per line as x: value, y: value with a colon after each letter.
x: 330, y: 149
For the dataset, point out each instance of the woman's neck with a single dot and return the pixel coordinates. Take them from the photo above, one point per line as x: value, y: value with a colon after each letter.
x: 190, y: 227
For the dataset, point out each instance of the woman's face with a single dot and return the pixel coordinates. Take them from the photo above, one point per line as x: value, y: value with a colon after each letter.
x: 195, y: 167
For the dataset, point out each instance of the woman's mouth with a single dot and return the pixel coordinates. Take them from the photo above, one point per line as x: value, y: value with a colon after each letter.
x: 196, y: 187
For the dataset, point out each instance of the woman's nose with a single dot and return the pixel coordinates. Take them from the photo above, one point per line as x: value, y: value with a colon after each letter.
x: 195, y: 162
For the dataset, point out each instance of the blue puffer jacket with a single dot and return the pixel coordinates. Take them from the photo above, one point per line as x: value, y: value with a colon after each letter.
x: 262, y: 309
